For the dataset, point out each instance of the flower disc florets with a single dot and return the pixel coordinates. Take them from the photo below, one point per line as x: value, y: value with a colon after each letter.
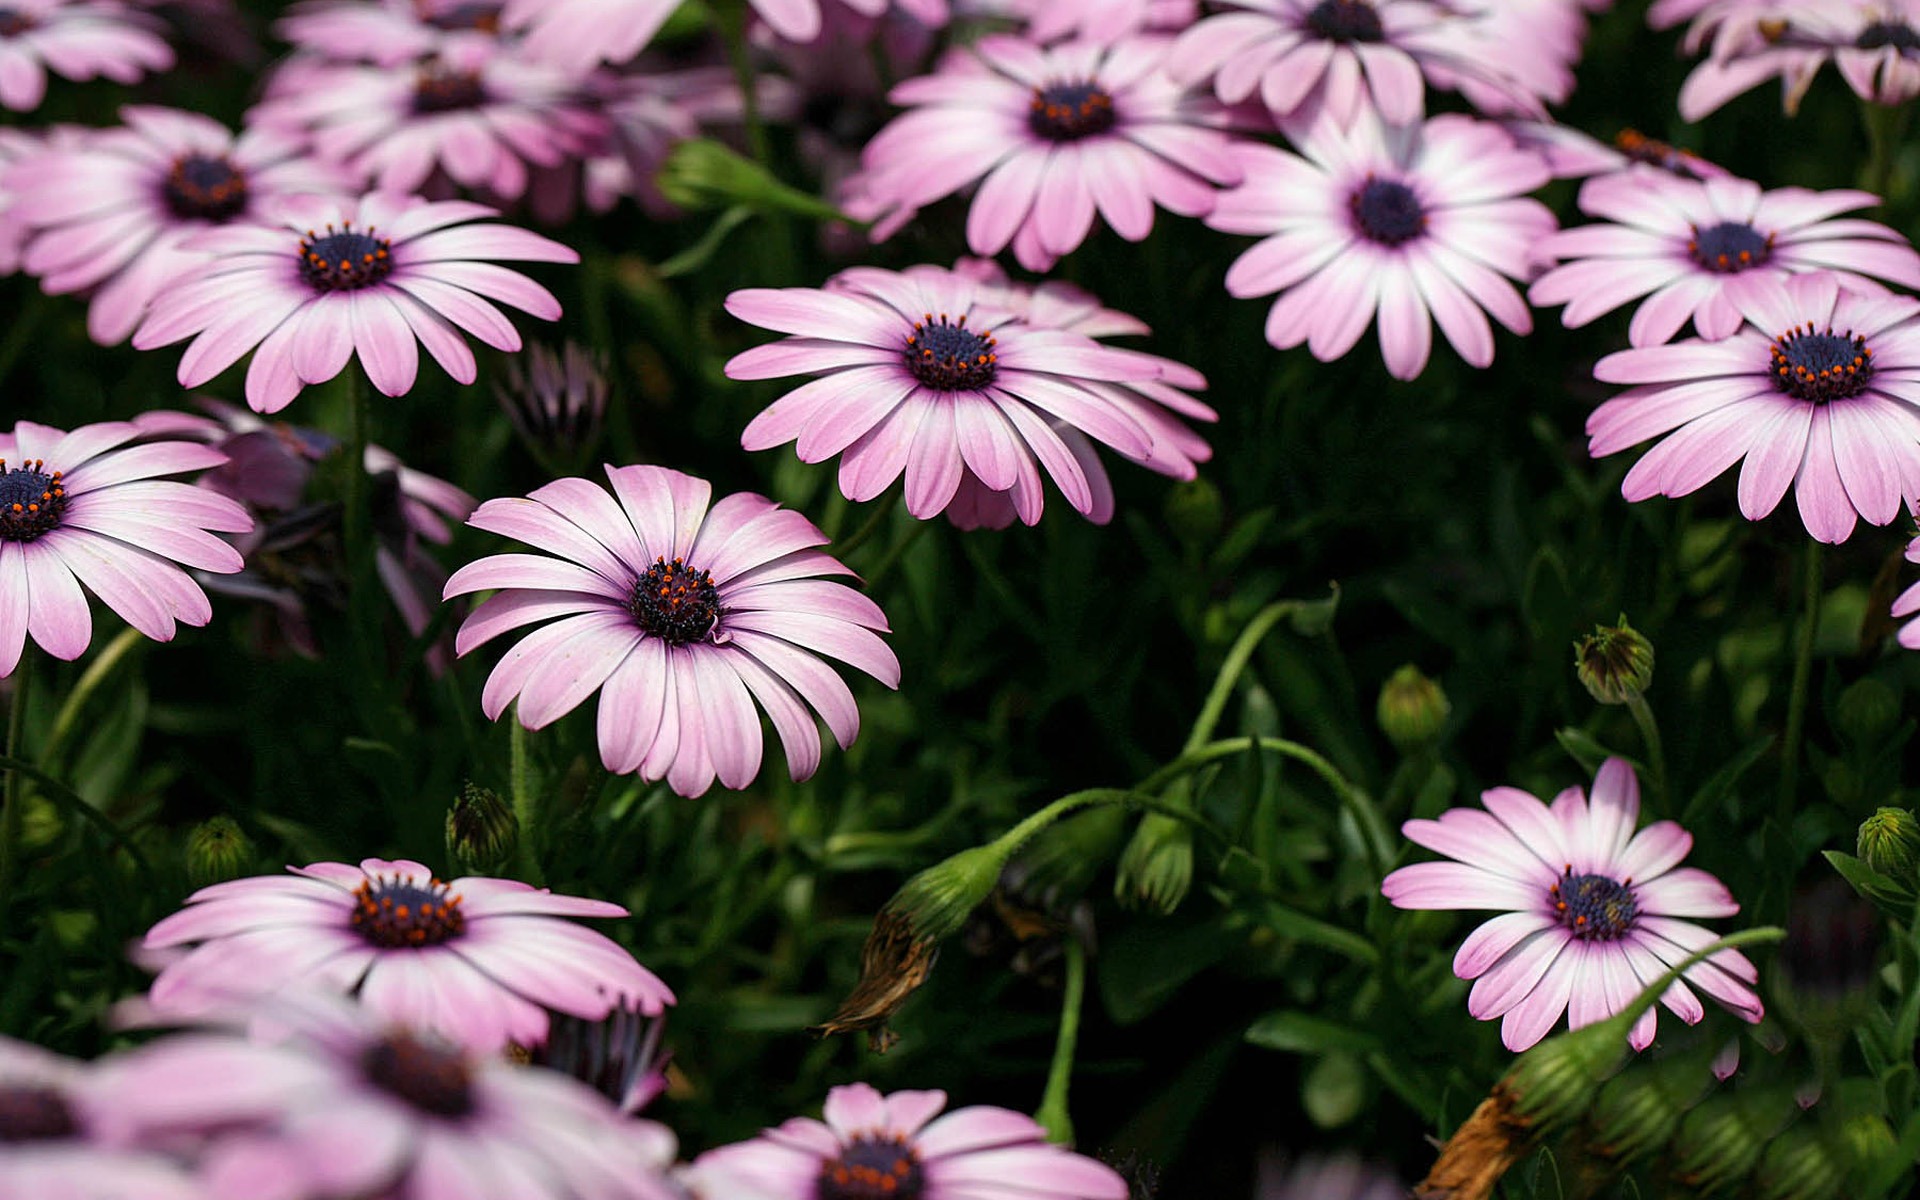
x: 31, y: 500
x: 484, y: 18
x: 674, y: 603
x: 876, y: 1167
x: 1594, y: 908
x: 1387, y: 211
x: 432, y: 1078
x: 1818, y: 367
x: 345, y: 259
x: 949, y: 357
x: 440, y: 88
x: 1065, y: 112
x: 13, y: 22
x: 1730, y: 247
x: 34, y: 1114
x: 1881, y: 34
x: 399, y: 912
x: 206, y: 186
x: 1347, y: 21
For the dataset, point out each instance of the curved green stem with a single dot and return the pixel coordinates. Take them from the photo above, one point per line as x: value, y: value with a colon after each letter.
x: 1650, y: 734
x: 97, y: 672
x: 1802, y: 678
x: 1052, y: 1113
x: 1229, y: 674
x: 11, y: 816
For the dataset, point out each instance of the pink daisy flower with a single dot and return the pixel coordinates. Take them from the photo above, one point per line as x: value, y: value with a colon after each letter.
x: 379, y: 276
x: 61, y: 1136
x: 1907, y: 604
x: 1422, y: 225
x: 473, y: 115
x: 1874, y: 43
x: 899, y: 1146
x: 110, y: 214
x: 1346, y: 56
x: 577, y: 34
x: 387, y: 33
x: 681, y: 616
x: 86, y: 508
x: 1591, y: 909
x: 476, y: 961
x: 921, y: 375
x: 1696, y: 250
x: 77, y: 39
x: 1052, y: 135
x: 1103, y: 20
x: 1820, y: 390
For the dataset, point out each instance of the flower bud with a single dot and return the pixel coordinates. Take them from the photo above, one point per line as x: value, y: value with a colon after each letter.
x: 1797, y: 1166
x: 1557, y: 1081
x: 556, y: 400
x: 1863, y: 1145
x: 1867, y: 710
x: 1638, y: 1110
x: 1195, y: 511
x: 1614, y: 662
x: 702, y: 173
x: 1720, y: 1142
x: 1890, y: 843
x: 217, y: 851
x: 1412, y: 709
x: 482, y: 832
x: 1156, y: 869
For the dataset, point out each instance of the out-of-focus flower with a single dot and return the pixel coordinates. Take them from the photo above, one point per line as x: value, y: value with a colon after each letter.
x: 1907, y: 604
x: 1829, y: 962
x: 682, y: 616
x: 381, y: 277
x: 1816, y: 391
x: 1420, y: 225
x: 1593, y: 909
x: 1875, y: 44
x: 1697, y: 250
x: 331, y: 1100
x: 1342, y: 57
x: 387, y: 33
x: 1092, y: 20
x: 76, y: 39
x: 1412, y: 709
x: 473, y: 115
x: 61, y: 1136
x: 924, y: 375
x: 1053, y: 136
x: 576, y: 34
x: 556, y: 401
x: 86, y: 508
x: 477, y: 961
x: 899, y: 1146
x: 1326, y: 1177
x: 110, y: 214
x: 618, y: 1056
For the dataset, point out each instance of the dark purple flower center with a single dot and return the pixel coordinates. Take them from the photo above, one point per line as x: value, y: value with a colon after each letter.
x: 344, y: 259
x: 455, y: 17
x: 1729, y: 247
x: 431, y: 1078
x: 210, y: 188
x: 1594, y: 908
x: 13, y: 22
x: 1065, y: 112
x: 1387, y: 212
x: 31, y: 500
x: 1818, y: 367
x: 34, y: 1114
x: 397, y: 912
x: 674, y: 603
x: 1882, y: 34
x: 949, y: 357
x: 1347, y: 21
x: 438, y: 88
x: 872, y: 1167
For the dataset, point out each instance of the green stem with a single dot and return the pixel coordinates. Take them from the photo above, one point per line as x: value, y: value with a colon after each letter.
x: 359, y: 492
x: 97, y: 671
x: 72, y: 802
x: 779, y: 230
x: 1650, y: 734
x: 1236, y: 662
x: 11, y: 816
x: 1052, y: 1114
x: 525, y: 799
x: 1886, y: 127
x: 882, y: 509
x: 1802, y: 677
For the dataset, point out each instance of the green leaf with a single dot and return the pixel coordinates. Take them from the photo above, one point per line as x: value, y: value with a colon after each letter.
x: 1583, y: 747
x: 1303, y: 1033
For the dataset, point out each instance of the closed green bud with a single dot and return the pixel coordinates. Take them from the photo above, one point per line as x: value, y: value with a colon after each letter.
x: 1195, y: 511
x: 1639, y: 1109
x: 1720, y: 1142
x: 702, y: 173
x: 1863, y: 1145
x: 1614, y: 662
x: 1412, y: 709
x: 1890, y: 844
x: 1798, y: 1166
x: 217, y: 851
x: 482, y: 832
x: 1867, y: 710
x: 1156, y: 870
x: 1557, y: 1082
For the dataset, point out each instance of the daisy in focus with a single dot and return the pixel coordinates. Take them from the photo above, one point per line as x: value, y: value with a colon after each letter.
x: 380, y: 276
x: 476, y: 961
x: 109, y: 214
x: 922, y: 375
x: 900, y: 1146
x: 1699, y: 250
x: 76, y: 39
x: 1053, y: 136
x: 1818, y: 391
x: 1419, y: 225
x: 682, y: 615
x: 86, y: 508
x: 1592, y: 912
